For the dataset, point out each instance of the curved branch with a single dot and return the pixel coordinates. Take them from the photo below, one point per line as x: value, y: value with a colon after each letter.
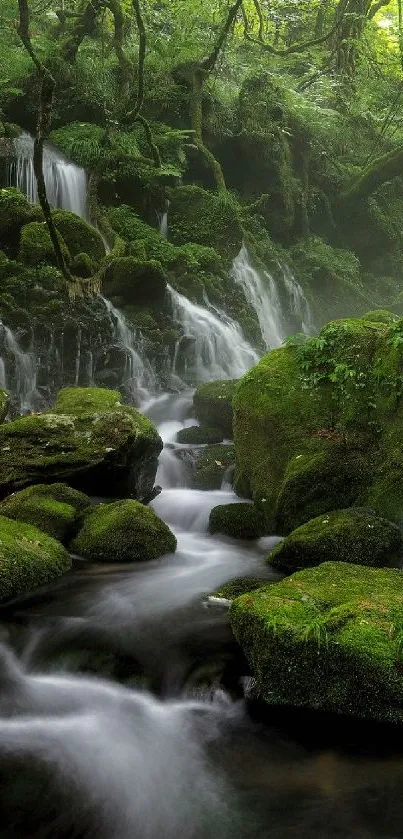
x: 84, y: 26
x: 303, y: 45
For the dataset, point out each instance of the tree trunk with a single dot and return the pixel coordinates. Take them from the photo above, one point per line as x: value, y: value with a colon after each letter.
x: 382, y: 169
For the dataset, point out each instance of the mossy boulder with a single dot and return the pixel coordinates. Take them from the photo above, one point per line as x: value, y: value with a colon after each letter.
x: 197, y: 435
x: 212, y: 404
x: 352, y: 535
x: 241, y: 521
x: 28, y: 558
x: 79, y: 236
x: 4, y: 404
x: 205, y: 218
x: 327, y: 477
x: 241, y: 585
x: 318, y: 426
x: 52, y: 508
x: 36, y: 245
x: 381, y: 316
x: 327, y: 638
x: 88, y: 439
x: 211, y: 465
x: 15, y: 211
x: 82, y: 266
x: 125, y: 531
x: 136, y: 282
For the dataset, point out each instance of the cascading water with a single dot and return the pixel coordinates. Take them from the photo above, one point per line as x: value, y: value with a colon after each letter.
x: 274, y: 310
x: 18, y: 372
x: 138, y: 379
x: 66, y: 183
x: 212, y: 345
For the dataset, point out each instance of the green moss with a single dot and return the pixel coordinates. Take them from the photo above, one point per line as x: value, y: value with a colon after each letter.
x: 329, y: 476
x: 199, y: 434
x: 212, y: 403
x: 142, y: 283
x: 381, y: 316
x: 28, y: 558
x: 15, y: 211
x: 36, y: 245
x: 303, y: 410
x: 124, y: 531
x: 205, y: 218
x: 351, y: 535
x: 327, y: 638
x: 79, y: 236
x: 89, y: 439
x: 330, y: 278
x: 211, y: 464
x: 240, y: 521
x: 52, y: 508
x: 241, y: 585
x: 82, y: 266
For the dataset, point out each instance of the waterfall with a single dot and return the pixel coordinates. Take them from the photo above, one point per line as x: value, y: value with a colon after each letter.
x: 163, y: 222
x: 66, y: 183
x: 279, y: 304
x: 138, y: 379
x: 18, y: 371
x: 212, y: 345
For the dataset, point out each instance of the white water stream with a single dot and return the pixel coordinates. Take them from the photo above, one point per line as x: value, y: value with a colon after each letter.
x: 66, y: 183
x: 18, y: 372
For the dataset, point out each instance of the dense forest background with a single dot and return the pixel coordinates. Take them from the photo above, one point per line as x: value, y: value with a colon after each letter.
x: 274, y: 123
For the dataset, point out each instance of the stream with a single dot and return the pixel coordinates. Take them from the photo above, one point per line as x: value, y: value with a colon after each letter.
x: 125, y: 710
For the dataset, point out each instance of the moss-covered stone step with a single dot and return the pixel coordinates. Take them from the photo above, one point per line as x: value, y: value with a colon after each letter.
x: 241, y: 521
x: 88, y: 439
x: 352, y: 535
x: 52, y: 508
x: 28, y: 558
x: 328, y: 638
x: 124, y: 531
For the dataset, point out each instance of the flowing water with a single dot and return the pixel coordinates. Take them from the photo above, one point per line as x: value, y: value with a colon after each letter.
x: 279, y: 302
x: 122, y: 715
x: 66, y: 183
x: 18, y: 372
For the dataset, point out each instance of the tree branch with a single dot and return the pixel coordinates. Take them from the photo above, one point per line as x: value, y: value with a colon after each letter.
x: 209, y: 63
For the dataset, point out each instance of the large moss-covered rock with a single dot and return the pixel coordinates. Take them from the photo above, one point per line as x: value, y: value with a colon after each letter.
x: 89, y: 439
x: 15, y: 211
x: 79, y: 236
x: 318, y: 426
x: 351, y: 535
x: 241, y: 521
x: 125, y: 531
x: 142, y: 283
x: 52, y: 508
x: 36, y: 245
x: 327, y: 638
x: 28, y: 558
x: 212, y: 404
x: 211, y: 465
